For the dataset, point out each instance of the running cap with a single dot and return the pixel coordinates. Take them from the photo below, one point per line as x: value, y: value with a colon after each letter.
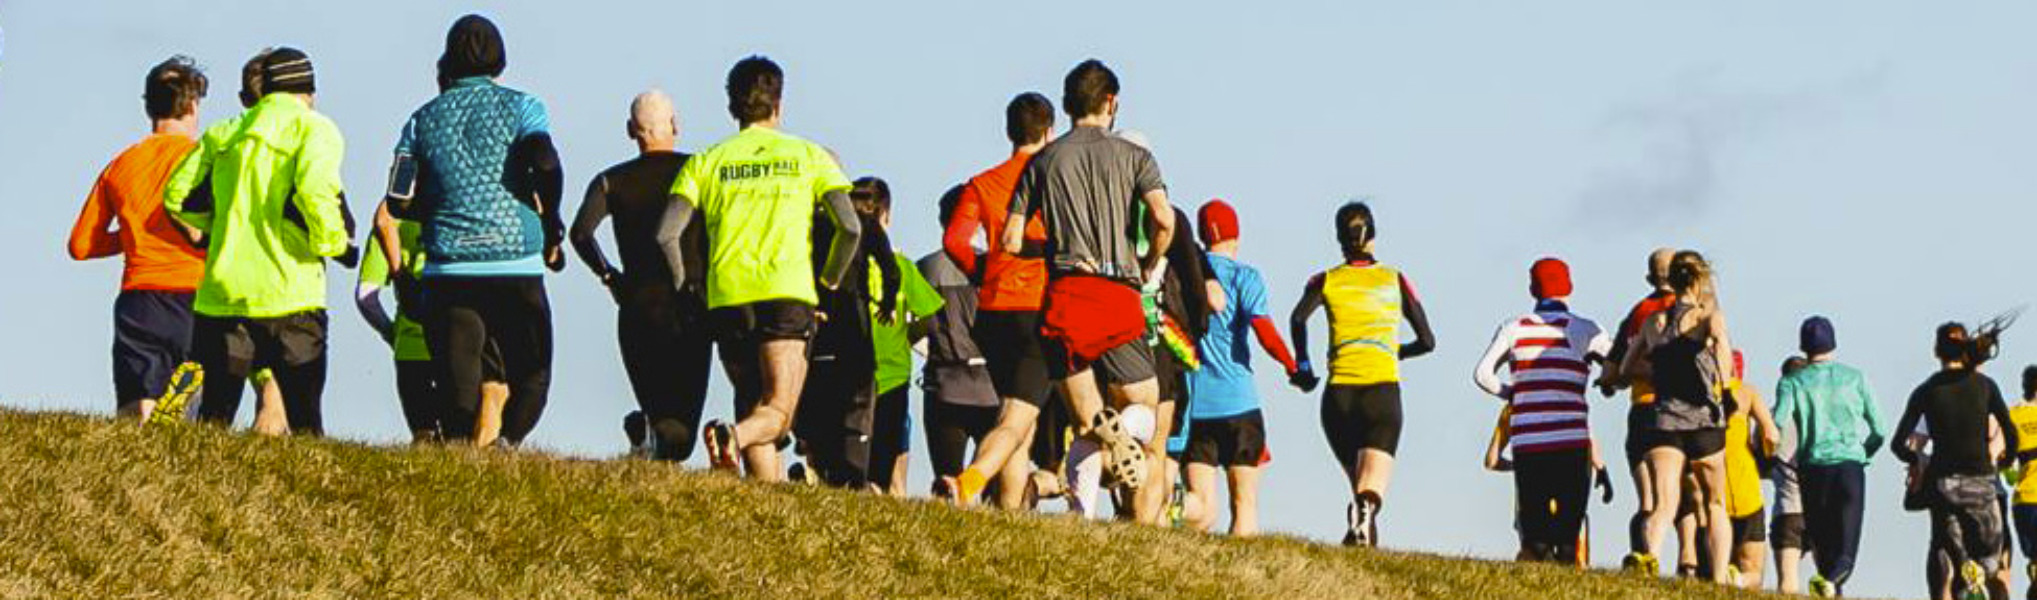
x: 1816, y: 336
x: 473, y: 48
x: 287, y: 70
x: 1549, y: 278
x: 1217, y: 222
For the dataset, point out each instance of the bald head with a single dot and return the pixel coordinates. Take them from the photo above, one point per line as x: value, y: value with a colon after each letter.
x: 652, y: 121
x: 1658, y: 266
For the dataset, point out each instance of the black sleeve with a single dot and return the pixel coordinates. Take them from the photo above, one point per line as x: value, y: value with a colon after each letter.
x: 1190, y: 267
x: 1899, y: 440
x: 1418, y: 319
x: 536, y: 177
x: 593, y: 210
x: 877, y: 246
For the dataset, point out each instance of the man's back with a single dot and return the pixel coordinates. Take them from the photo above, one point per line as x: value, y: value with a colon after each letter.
x: 1835, y: 417
x: 637, y: 192
x: 130, y: 191
x: 757, y: 191
x: 1087, y: 186
x: 1010, y: 282
x: 1224, y: 387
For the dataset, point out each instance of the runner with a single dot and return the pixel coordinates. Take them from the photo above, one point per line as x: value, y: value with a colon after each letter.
x: 960, y: 403
x: 1751, y: 438
x: 1361, y: 407
x: 1549, y: 353
x: 1013, y: 284
x: 838, y: 422
x: 2025, y: 477
x: 755, y: 193
x: 893, y: 336
x: 1686, y: 354
x: 123, y: 215
x: 268, y: 200
x: 1787, y: 531
x: 1226, y: 428
x: 1649, y: 457
x: 1839, y: 429
x: 1960, y: 479
x: 660, y: 326
x: 476, y: 167
x: 417, y: 382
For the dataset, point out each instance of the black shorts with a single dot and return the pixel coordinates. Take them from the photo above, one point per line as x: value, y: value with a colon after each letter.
x: 151, y: 337
x: 1751, y: 529
x: 240, y: 346
x: 1642, y: 435
x: 1126, y: 364
x: 1695, y: 444
x: 1010, y: 341
x: 1788, y: 532
x: 1235, y: 441
x: 742, y: 330
x: 1361, y: 417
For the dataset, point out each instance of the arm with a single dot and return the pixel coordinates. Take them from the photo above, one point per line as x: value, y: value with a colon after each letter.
x: 389, y: 238
x: 1418, y: 319
x: 877, y: 246
x: 672, y: 227
x: 1765, y: 426
x: 317, y: 179
x: 536, y: 160
x: 92, y: 236
x: 593, y: 210
x: 1908, y: 425
x: 192, y: 174
x: 848, y: 235
x: 1877, y: 426
x: 1297, y: 326
x: 1495, y: 449
x: 1486, y: 372
x: 1269, y: 341
x: 1159, y: 216
x: 961, y: 229
x: 2011, y: 439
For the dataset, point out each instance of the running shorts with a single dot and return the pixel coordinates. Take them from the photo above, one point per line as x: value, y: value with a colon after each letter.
x: 1751, y: 529
x: 1128, y: 363
x: 151, y: 337
x: 1010, y: 341
x: 1361, y: 417
x: 741, y: 332
x: 1234, y: 441
x: 1695, y: 444
x: 1788, y: 532
x: 2026, y: 529
x: 1642, y: 435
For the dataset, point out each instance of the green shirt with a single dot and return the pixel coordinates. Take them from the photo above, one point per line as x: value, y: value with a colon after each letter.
x: 258, y: 263
x: 917, y: 300
x: 756, y: 191
x: 409, y: 343
x: 1833, y: 412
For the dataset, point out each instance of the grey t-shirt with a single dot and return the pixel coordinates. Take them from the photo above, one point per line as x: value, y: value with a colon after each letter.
x: 1087, y: 186
x: 955, y: 371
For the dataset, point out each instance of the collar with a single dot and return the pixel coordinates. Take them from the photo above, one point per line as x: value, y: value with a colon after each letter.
x: 1546, y: 306
x: 477, y: 80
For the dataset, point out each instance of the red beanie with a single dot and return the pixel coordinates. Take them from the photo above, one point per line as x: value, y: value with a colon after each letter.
x: 1549, y: 278
x: 1217, y: 222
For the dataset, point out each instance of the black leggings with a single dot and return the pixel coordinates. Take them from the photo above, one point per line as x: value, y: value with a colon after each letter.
x: 292, y: 347
x: 1361, y: 417
x: 890, y: 431
x: 1550, y: 492
x: 417, y: 387
x: 837, y: 411
x: 467, y: 316
x: 666, y: 350
x: 1834, y: 500
x: 951, y: 428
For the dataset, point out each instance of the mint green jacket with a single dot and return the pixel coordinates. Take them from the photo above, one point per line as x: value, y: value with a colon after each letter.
x: 1834, y: 414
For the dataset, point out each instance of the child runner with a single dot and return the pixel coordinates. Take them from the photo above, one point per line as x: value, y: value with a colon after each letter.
x: 1549, y: 353
x: 1361, y: 407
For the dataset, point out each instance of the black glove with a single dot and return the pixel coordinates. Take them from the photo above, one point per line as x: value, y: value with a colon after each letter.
x: 1304, y: 379
x: 351, y: 258
x: 1604, y: 481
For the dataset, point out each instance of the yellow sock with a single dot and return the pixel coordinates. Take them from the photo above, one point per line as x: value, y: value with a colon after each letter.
x: 969, y: 484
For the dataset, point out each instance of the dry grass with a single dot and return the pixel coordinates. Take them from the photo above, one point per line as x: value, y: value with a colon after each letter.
x: 92, y: 508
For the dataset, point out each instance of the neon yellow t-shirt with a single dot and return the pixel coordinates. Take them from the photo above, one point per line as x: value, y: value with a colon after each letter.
x: 756, y: 191
x: 409, y: 344
x: 2024, y: 415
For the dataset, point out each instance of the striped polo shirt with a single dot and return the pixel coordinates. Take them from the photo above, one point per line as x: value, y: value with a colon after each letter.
x: 1549, y: 354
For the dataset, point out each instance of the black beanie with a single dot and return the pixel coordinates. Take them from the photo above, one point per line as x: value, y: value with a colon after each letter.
x: 473, y: 48
x: 287, y: 70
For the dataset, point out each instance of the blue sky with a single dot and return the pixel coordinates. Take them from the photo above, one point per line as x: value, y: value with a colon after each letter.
x: 1863, y: 160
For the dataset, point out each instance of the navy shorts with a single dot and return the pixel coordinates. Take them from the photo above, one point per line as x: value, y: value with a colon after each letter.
x: 151, y: 337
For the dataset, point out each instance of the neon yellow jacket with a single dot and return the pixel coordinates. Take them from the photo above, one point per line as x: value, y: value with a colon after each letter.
x: 259, y: 263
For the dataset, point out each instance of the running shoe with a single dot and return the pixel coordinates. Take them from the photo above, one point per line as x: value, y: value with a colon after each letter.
x: 1361, y: 517
x: 1976, y: 581
x: 1048, y: 484
x: 176, y: 401
x: 1823, y: 588
x: 720, y: 439
x: 1176, y: 505
x: 1125, y: 459
x: 1733, y: 576
x: 1640, y: 564
x: 798, y: 473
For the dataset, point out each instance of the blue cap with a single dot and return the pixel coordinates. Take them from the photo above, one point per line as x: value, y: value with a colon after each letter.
x: 1816, y: 336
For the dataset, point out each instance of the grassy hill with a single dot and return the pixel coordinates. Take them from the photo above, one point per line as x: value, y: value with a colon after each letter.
x: 93, y: 508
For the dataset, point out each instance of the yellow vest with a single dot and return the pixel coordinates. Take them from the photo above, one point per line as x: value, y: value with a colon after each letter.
x: 1743, y: 476
x: 2025, y: 417
x: 1365, y: 312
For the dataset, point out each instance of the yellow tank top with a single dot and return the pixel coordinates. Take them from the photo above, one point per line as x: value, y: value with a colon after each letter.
x: 1365, y: 314
x: 1743, y: 476
x: 2025, y: 417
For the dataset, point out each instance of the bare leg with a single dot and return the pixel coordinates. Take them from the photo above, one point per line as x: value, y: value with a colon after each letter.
x: 898, y: 465
x: 488, y: 424
x: 1375, y: 472
x: 1711, y: 474
x: 1202, y: 486
x: 757, y: 435
x: 1151, y: 500
x: 1752, y: 559
x: 139, y: 409
x: 1787, y: 579
x: 1688, y: 530
x: 1001, y: 446
x: 1665, y: 469
x: 1018, y: 469
x: 270, y: 420
x: 1244, y: 501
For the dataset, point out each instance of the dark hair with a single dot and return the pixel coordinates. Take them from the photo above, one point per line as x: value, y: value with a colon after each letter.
x: 755, y: 86
x: 251, y: 78
x: 1087, y: 86
x: 1030, y: 116
x: 1956, y: 343
x: 1951, y: 343
x: 1688, y: 271
x: 474, y: 48
x: 949, y: 200
x: 2030, y: 381
x: 1791, y: 365
x: 871, y: 195
x: 1355, y: 227
x: 173, y: 88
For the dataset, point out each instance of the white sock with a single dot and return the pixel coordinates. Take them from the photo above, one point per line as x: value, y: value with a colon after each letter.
x: 1085, y: 477
x: 1139, y: 421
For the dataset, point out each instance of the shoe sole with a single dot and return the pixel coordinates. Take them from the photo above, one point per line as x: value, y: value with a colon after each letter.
x: 1125, y: 460
x: 176, y: 400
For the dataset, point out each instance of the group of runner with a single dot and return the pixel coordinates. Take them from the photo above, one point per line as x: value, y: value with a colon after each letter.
x: 1092, y: 346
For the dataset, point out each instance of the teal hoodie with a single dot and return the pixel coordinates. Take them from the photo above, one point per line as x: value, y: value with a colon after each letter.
x: 1834, y: 414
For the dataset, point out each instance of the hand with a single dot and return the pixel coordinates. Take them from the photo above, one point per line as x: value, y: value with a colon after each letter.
x: 1604, y: 481
x: 351, y: 258
x: 555, y: 258
x: 887, y: 312
x: 1304, y: 379
x: 1502, y: 466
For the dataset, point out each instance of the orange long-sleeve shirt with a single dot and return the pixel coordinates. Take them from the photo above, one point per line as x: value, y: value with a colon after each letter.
x: 130, y: 192
x: 1009, y: 282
